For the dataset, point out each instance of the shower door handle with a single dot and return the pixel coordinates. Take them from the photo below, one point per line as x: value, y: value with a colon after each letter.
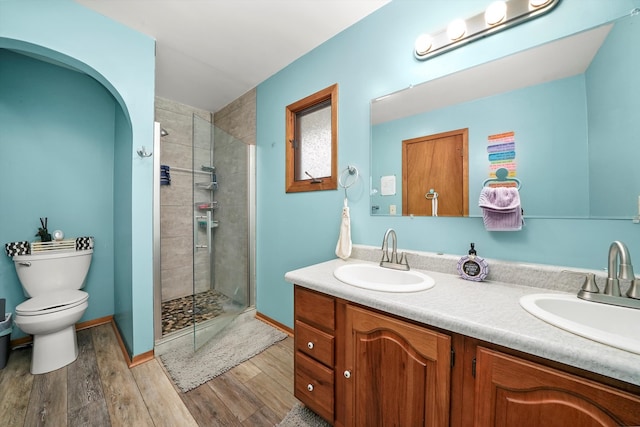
x: 195, y: 230
x: 209, y: 231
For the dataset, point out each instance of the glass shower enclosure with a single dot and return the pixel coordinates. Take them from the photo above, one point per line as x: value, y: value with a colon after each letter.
x: 223, y: 187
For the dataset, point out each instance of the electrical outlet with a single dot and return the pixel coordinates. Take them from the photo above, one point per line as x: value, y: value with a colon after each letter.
x: 392, y: 209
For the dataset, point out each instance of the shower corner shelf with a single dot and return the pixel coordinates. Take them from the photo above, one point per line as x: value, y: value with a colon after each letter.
x: 212, y: 185
x: 207, y: 206
x: 214, y: 223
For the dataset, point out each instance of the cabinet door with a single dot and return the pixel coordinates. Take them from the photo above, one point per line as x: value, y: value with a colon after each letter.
x: 513, y: 392
x: 397, y: 373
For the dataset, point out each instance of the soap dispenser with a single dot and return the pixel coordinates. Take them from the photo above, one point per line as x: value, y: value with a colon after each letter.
x: 473, y: 267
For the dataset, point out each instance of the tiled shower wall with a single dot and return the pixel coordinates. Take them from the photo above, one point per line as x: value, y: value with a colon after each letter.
x: 176, y: 215
x: 235, y: 131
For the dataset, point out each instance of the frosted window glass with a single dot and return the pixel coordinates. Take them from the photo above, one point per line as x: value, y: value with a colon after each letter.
x: 313, y: 153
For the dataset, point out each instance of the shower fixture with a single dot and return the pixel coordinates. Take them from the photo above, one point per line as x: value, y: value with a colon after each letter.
x: 163, y: 132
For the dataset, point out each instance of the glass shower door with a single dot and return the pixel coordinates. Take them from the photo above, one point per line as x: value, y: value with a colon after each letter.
x: 220, y: 230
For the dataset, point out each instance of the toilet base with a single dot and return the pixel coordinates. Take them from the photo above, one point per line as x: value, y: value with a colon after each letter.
x: 54, y: 351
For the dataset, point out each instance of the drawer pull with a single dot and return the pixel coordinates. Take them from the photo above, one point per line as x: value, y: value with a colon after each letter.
x: 310, y: 387
x: 347, y: 374
x: 310, y: 345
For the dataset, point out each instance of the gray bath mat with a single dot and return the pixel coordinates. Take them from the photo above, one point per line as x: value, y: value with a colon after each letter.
x: 301, y: 416
x: 241, y: 340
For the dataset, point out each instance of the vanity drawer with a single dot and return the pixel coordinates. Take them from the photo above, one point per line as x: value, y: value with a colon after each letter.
x: 314, y: 343
x: 315, y: 308
x: 314, y: 385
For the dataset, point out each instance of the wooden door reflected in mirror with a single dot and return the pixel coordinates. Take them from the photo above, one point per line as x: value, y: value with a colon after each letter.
x: 435, y: 174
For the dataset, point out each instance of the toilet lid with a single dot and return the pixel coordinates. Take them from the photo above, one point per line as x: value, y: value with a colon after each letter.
x: 52, y: 302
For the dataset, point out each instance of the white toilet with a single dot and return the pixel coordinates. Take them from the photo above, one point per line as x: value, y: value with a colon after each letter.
x: 52, y: 281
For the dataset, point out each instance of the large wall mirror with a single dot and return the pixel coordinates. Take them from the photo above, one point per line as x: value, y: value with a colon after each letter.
x: 573, y: 106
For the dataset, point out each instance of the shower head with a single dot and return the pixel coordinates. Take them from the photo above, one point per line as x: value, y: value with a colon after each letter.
x: 163, y: 132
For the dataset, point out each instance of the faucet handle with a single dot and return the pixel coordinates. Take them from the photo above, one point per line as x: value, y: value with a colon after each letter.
x: 589, y: 284
x: 634, y: 289
x: 403, y: 260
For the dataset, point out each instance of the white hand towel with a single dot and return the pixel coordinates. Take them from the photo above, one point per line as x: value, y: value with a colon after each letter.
x: 343, y: 248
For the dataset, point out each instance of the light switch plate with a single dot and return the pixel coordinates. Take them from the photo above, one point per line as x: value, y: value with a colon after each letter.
x: 392, y: 209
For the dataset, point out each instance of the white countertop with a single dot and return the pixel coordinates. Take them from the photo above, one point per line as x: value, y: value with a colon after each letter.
x: 489, y: 311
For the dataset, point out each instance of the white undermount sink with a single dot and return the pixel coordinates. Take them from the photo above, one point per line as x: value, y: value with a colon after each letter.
x: 608, y: 324
x: 376, y: 278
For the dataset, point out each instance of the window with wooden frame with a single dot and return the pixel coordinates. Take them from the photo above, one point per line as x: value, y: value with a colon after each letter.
x: 312, y: 142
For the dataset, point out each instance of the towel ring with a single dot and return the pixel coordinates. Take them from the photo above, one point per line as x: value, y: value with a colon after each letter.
x: 348, y: 172
x: 502, y: 175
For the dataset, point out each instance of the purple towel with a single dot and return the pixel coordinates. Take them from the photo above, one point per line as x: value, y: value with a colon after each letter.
x: 501, y: 210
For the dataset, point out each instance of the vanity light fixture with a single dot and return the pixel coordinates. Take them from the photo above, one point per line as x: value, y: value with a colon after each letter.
x: 499, y: 16
x: 495, y: 13
x: 538, y: 3
x: 456, y: 30
x: 423, y: 44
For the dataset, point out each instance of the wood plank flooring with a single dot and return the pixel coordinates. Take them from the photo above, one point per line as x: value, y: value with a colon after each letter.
x: 98, y: 389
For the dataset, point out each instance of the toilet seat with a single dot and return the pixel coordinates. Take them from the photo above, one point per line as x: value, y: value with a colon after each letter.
x: 51, y: 302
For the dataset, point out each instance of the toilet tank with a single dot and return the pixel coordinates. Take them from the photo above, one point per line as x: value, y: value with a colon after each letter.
x: 53, y: 271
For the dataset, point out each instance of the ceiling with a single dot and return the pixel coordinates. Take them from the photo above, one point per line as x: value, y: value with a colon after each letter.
x: 210, y: 52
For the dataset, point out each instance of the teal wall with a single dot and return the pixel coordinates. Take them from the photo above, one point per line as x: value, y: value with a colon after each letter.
x: 372, y: 58
x: 123, y: 62
x: 56, y: 161
x: 123, y: 244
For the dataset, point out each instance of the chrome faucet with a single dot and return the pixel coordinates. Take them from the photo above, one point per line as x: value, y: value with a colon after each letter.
x: 392, y: 261
x: 616, y: 270
x: 618, y: 250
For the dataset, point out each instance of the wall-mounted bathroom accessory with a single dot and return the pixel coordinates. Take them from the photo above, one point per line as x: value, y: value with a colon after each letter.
x: 207, y: 206
x: 348, y: 177
x: 212, y: 185
x: 142, y: 152
x: 498, y: 16
x: 472, y: 267
x: 388, y: 185
x: 433, y: 196
x: 502, y: 177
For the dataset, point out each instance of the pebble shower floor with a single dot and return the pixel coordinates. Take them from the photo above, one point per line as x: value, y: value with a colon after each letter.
x: 179, y: 313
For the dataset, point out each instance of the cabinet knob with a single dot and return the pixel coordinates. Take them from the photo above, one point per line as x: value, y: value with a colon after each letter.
x: 310, y: 345
x: 310, y: 387
x: 347, y: 374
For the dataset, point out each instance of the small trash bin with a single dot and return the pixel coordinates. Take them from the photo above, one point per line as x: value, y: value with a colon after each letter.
x: 5, y: 338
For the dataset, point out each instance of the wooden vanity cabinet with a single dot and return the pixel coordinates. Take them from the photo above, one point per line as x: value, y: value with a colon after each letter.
x: 314, y: 360
x: 356, y: 366
x: 396, y: 373
x: 380, y: 370
x: 511, y: 391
